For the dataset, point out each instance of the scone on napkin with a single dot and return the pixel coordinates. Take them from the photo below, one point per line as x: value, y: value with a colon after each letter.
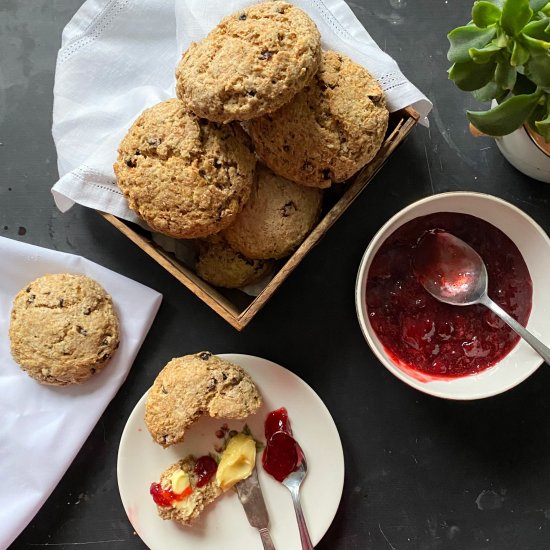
x: 55, y: 421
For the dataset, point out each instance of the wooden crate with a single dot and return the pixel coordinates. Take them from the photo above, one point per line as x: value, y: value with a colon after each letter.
x: 236, y: 307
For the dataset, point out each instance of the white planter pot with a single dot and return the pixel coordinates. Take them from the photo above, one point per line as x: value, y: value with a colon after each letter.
x: 522, y: 152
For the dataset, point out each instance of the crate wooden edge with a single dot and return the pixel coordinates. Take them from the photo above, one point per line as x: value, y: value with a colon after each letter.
x: 398, y: 135
x: 179, y: 271
x: 214, y: 299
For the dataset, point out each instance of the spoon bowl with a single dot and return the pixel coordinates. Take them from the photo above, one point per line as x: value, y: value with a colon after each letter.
x: 450, y: 269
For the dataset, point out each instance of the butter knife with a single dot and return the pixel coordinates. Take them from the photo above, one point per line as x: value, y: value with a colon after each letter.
x: 250, y: 495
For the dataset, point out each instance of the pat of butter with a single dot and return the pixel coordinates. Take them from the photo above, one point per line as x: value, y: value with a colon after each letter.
x: 179, y: 481
x: 237, y: 462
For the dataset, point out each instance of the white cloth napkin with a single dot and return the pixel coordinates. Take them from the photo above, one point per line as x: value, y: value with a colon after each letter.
x: 118, y: 57
x: 44, y: 427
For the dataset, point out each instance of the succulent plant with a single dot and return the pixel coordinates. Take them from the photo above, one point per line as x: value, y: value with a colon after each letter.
x: 503, y: 54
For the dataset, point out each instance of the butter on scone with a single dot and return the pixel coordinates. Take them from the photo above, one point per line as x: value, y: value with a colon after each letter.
x: 63, y: 329
x: 187, y: 487
x: 193, y: 385
x: 182, y: 493
x: 329, y: 130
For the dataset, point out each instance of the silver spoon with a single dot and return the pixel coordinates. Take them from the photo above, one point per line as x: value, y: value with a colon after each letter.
x: 454, y: 273
x: 292, y: 482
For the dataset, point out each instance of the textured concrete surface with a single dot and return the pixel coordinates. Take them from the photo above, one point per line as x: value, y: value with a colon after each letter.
x: 421, y: 473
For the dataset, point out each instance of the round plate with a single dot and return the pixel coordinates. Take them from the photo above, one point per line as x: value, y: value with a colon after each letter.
x: 224, y: 524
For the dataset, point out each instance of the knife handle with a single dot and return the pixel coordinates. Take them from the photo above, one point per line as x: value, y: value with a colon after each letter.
x: 266, y: 539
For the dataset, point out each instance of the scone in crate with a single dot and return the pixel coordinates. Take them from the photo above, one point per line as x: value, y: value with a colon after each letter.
x: 237, y: 307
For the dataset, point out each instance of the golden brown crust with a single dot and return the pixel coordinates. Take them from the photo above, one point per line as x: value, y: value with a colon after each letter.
x: 276, y: 219
x: 329, y: 130
x: 193, y: 385
x: 220, y: 265
x: 63, y: 329
x: 185, y: 176
x: 252, y: 63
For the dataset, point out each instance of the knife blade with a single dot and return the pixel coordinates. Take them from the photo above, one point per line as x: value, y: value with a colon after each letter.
x: 250, y: 495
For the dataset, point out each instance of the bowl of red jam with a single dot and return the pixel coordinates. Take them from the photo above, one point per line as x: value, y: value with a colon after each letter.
x: 456, y: 352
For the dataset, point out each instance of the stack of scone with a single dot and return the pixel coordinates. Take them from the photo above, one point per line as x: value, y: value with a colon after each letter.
x: 311, y: 117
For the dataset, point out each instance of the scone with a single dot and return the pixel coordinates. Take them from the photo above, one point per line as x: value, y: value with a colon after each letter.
x: 252, y: 63
x: 220, y: 265
x: 185, y: 176
x: 276, y: 219
x: 187, y: 487
x: 193, y: 385
x: 180, y: 495
x: 63, y: 329
x: 328, y: 131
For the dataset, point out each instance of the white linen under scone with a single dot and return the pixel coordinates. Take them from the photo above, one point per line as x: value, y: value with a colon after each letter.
x: 44, y: 427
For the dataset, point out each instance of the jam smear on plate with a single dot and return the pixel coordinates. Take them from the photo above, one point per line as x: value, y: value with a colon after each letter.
x: 442, y: 340
x: 280, y: 456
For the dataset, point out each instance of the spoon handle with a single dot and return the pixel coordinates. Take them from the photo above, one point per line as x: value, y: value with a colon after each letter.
x: 302, y: 527
x: 533, y: 341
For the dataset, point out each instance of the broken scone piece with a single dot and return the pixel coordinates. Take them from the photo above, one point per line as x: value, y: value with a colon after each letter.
x: 187, y: 487
x: 193, y: 385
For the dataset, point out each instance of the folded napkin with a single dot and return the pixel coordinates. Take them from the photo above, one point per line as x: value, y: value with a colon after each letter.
x: 44, y: 427
x: 118, y: 57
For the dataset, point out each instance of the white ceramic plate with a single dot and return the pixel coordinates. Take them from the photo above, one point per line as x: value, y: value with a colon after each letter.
x: 224, y: 524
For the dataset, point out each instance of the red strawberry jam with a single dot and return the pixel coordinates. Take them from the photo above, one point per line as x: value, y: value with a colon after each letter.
x: 166, y: 497
x: 204, y: 469
x: 280, y: 456
x: 437, y: 339
x: 277, y: 421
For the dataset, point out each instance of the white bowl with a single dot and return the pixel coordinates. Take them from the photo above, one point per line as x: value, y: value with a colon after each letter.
x: 534, y: 245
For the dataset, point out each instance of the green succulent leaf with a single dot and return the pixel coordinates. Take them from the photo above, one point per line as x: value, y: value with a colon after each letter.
x: 543, y: 127
x: 515, y: 15
x: 520, y: 54
x: 505, y: 75
x: 537, y: 29
x: 546, y: 9
x: 537, y: 69
x: 506, y: 117
x: 537, y: 5
x: 490, y: 91
x: 484, y: 55
x: 535, y: 47
x: 485, y: 13
x: 470, y: 76
x: 464, y: 38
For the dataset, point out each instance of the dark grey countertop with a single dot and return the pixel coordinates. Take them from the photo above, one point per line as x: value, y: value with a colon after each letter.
x: 421, y: 473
